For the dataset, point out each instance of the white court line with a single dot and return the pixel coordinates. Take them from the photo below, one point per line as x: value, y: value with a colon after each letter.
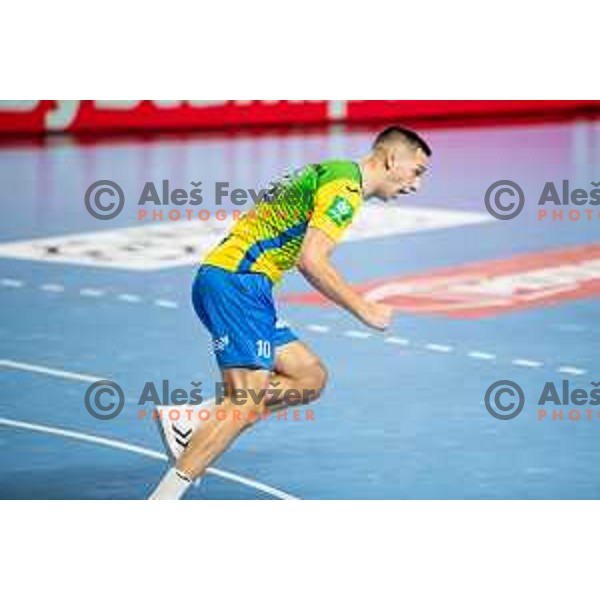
x: 129, y: 298
x: 522, y: 362
x: 481, y: 355
x: 52, y: 287
x: 11, y: 364
x: 438, y: 348
x: 396, y: 340
x: 111, y: 443
x: 166, y: 303
x: 91, y: 292
x: 14, y: 283
x: 21, y: 366
x: 571, y: 370
x: 318, y: 328
x: 359, y: 335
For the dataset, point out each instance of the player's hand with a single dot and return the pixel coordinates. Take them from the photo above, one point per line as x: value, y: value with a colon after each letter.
x: 376, y: 315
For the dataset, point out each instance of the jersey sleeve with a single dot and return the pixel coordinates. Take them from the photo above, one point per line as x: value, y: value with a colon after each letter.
x: 335, y: 206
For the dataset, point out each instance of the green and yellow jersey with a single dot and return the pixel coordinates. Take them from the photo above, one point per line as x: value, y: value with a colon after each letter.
x: 268, y: 238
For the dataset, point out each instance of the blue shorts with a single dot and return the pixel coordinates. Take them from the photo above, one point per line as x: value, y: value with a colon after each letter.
x: 239, y: 312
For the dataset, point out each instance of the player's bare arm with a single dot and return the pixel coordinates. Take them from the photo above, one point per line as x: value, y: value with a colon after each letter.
x: 315, y: 265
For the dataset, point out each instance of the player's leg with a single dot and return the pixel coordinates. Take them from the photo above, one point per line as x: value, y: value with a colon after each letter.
x: 296, y: 368
x: 218, y: 432
x: 238, y: 311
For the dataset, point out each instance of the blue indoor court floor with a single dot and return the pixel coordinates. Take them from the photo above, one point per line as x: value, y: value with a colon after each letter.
x: 403, y: 415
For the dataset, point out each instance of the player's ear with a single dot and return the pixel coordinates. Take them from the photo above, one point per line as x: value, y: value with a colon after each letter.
x: 389, y: 159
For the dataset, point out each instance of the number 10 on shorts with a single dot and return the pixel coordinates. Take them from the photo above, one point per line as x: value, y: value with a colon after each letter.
x: 263, y: 348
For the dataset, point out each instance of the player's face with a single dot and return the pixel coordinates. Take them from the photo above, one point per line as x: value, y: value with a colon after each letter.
x: 404, y: 170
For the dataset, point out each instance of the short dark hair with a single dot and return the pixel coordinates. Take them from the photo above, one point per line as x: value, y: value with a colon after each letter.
x: 408, y: 136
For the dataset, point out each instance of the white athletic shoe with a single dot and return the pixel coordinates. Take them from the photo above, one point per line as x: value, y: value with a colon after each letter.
x: 176, y: 435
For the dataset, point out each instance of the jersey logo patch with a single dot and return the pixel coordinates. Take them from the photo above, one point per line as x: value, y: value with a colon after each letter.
x: 340, y: 211
x: 220, y: 343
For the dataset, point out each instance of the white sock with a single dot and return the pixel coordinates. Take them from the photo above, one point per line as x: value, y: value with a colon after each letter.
x: 172, y: 486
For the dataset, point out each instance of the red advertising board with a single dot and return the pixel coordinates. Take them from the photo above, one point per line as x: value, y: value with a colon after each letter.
x: 96, y: 116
